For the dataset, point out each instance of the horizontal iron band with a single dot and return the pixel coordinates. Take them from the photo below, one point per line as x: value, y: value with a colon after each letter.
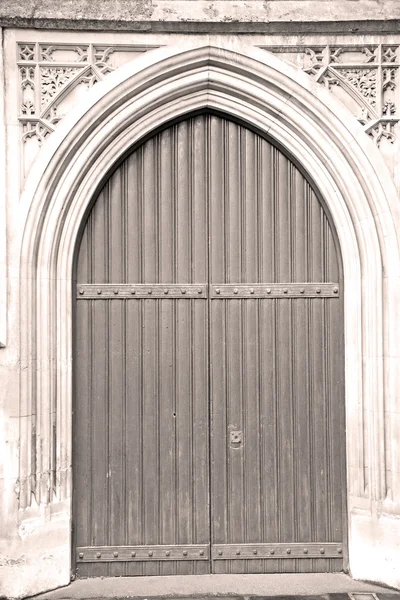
x: 89, y: 291
x: 295, y: 550
x: 276, y: 290
x: 142, y: 553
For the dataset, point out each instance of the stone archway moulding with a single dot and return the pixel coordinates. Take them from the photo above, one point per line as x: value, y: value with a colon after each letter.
x: 265, y: 92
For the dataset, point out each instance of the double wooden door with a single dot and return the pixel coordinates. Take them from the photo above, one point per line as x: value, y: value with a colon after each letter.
x: 209, y: 401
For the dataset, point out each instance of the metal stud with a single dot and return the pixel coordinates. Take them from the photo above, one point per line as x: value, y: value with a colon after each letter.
x: 305, y: 551
x: 318, y: 290
x: 150, y: 552
x: 150, y: 292
x: 184, y: 553
x: 254, y: 551
x: 115, y: 554
x: 217, y: 291
x: 268, y: 290
x: 80, y: 554
x: 285, y: 291
x: 99, y: 292
x: 133, y: 554
x: 166, y: 292
x: 220, y: 552
x: 339, y: 550
x: 201, y: 552
x: 238, y: 552
x: 335, y: 290
x: 251, y: 290
x: 98, y: 555
x: 81, y: 292
x: 116, y: 291
x: 133, y: 292
x: 235, y: 291
x: 167, y: 553
x: 302, y: 291
x: 272, y: 551
x: 183, y: 291
x: 288, y: 551
x: 199, y: 291
x: 322, y: 550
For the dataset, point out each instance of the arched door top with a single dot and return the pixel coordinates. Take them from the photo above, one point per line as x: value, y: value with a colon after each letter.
x: 263, y: 91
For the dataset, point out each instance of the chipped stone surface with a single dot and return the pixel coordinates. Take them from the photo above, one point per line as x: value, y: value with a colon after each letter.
x: 151, y: 14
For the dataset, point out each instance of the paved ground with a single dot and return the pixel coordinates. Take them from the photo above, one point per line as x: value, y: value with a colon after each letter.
x: 316, y: 586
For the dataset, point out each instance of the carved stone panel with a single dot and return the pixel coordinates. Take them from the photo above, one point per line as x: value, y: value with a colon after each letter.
x: 363, y: 77
x: 54, y: 77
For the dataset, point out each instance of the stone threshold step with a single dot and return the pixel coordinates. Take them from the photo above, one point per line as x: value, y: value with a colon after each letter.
x: 307, y: 586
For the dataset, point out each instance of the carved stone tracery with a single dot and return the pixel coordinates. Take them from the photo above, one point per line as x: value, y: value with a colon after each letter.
x: 49, y: 72
x: 368, y: 74
x: 52, y: 80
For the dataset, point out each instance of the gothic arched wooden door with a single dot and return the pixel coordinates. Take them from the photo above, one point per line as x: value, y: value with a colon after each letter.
x: 209, y: 363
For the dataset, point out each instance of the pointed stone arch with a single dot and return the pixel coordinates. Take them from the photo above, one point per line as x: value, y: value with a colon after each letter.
x: 261, y: 90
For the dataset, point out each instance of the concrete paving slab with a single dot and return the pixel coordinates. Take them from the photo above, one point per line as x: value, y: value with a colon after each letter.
x: 234, y: 587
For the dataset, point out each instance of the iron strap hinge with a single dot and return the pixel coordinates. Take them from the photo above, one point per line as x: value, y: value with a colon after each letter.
x: 277, y: 550
x: 275, y: 290
x: 142, y: 553
x: 92, y: 291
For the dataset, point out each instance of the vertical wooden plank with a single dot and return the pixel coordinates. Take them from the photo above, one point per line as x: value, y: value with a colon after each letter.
x: 318, y: 384
x: 99, y: 451
x: 218, y: 358
x: 301, y: 414
x: 82, y: 425
x: 134, y: 429
x: 251, y: 391
x: 200, y: 360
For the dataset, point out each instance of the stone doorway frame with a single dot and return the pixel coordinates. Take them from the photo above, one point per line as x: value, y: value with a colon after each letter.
x: 259, y: 89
